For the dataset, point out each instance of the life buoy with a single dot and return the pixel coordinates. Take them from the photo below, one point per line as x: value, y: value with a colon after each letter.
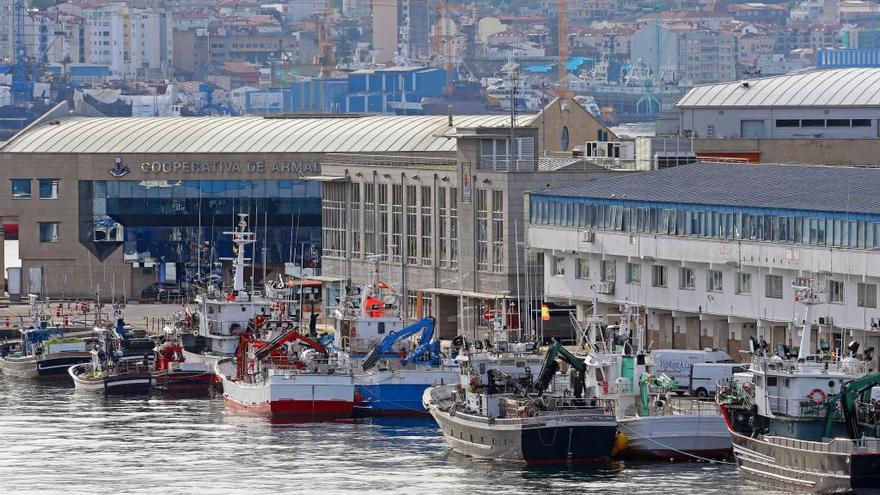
x: 817, y: 396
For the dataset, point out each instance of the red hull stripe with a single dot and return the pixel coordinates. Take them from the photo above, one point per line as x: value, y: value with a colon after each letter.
x: 299, y: 408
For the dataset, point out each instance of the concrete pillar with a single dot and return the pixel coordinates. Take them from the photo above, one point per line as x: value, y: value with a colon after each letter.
x: 693, y: 333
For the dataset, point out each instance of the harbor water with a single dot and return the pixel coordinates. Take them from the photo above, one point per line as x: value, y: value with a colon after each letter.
x: 56, y: 440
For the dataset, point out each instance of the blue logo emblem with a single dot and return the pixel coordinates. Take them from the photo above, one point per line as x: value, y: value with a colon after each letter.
x: 119, y: 170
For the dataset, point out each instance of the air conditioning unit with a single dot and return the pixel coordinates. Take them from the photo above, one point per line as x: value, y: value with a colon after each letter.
x: 588, y: 236
x: 825, y: 320
x: 604, y: 287
x: 875, y: 322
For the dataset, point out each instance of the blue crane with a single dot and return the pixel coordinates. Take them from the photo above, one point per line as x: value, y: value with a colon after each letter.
x: 384, y: 346
x: 22, y: 88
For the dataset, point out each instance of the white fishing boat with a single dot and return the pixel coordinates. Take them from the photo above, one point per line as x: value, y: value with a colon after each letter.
x: 222, y: 316
x: 806, y: 420
x: 656, y: 425
x: 291, y: 377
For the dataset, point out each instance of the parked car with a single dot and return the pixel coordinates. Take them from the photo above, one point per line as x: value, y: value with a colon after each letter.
x: 163, y: 292
x: 705, y: 376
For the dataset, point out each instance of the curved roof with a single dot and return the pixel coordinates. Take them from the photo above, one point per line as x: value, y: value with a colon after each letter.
x: 819, y: 88
x: 366, y: 134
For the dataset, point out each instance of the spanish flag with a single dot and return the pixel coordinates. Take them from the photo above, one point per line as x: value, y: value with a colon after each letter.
x: 545, y: 312
x: 382, y: 285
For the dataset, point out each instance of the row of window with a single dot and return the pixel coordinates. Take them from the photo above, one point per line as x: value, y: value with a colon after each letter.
x: 22, y: 188
x: 773, y: 284
x: 401, y: 224
x: 708, y: 221
x: 823, y: 123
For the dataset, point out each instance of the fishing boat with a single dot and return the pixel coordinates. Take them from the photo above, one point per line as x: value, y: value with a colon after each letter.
x: 393, y: 362
x: 500, y: 410
x: 804, y: 419
x: 290, y: 376
x: 173, y: 374
x: 44, y: 350
x: 393, y: 382
x: 656, y: 425
x: 107, y: 372
x: 222, y: 316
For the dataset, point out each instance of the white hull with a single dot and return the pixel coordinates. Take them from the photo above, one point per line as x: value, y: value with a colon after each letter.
x: 676, y: 436
x: 82, y: 383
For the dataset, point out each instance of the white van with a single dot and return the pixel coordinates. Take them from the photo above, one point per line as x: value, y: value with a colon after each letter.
x: 705, y: 376
x: 676, y: 363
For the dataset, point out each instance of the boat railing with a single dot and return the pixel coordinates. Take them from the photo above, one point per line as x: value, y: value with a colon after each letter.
x: 800, y: 408
x: 131, y: 366
x: 694, y: 407
x: 834, y: 446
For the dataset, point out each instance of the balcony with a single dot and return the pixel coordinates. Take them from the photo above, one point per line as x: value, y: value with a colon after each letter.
x: 604, y: 287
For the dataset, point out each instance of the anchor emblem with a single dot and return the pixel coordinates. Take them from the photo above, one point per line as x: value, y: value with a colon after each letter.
x: 120, y: 169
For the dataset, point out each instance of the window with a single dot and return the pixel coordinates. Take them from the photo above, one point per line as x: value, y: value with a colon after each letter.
x: 812, y: 122
x: 835, y: 291
x: 48, y: 188
x: 442, y: 228
x: 396, y: 222
x: 633, y: 273
x: 333, y: 219
x: 21, y: 189
x: 412, y: 233
x: 558, y: 266
x: 426, y: 225
x: 582, y: 268
x: 743, y: 283
x: 861, y: 122
x: 659, y: 275
x: 788, y: 123
x: 687, y: 280
x: 482, y: 230
x: 608, y: 271
x: 773, y: 286
x: 837, y: 123
x: 355, y: 220
x: 49, y: 231
x: 453, y: 227
x: 369, y: 219
x: 497, y: 231
x: 867, y: 295
x: 714, y: 281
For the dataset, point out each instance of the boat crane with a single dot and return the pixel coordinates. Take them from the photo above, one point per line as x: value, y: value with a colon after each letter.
x: 550, y: 367
x: 851, y: 394
x: 426, y: 343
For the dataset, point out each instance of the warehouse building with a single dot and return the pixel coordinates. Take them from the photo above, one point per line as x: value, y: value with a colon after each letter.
x: 714, y: 262
x: 115, y: 204
x: 448, y: 231
x: 832, y: 114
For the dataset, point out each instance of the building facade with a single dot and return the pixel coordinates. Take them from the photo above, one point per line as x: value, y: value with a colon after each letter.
x: 450, y: 228
x: 714, y: 264
x: 820, y: 117
x: 123, y: 202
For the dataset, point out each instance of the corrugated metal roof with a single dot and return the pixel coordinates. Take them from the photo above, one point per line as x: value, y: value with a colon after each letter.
x: 791, y: 187
x: 819, y: 88
x: 368, y: 134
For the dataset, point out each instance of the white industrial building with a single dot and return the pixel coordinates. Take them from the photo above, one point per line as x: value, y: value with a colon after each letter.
x: 819, y: 104
x: 711, y: 251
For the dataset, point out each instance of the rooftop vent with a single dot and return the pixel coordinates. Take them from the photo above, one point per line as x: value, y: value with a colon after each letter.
x: 746, y: 85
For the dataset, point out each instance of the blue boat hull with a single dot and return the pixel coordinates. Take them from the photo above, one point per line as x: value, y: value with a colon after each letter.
x: 392, y: 400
